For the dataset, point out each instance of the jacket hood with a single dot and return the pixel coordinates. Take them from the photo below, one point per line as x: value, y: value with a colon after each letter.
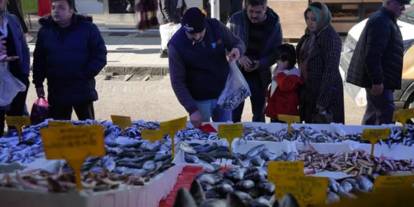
x: 76, y: 18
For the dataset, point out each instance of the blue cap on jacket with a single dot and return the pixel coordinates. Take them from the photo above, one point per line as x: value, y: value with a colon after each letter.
x: 194, y: 20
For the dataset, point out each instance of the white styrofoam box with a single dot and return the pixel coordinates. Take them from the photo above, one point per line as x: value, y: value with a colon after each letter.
x: 318, y: 127
x: 242, y: 147
x: 271, y: 127
x: 142, y: 196
x: 357, y: 129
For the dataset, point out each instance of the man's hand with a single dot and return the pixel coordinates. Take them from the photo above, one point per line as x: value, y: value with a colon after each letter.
x: 196, y: 119
x: 245, y: 62
x: 377, y: 90
x: 40, y: 92
x: 3, y: 53
x: 233, y: 55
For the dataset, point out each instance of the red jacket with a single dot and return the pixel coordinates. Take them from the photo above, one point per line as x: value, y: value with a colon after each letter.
x: 285, y: 100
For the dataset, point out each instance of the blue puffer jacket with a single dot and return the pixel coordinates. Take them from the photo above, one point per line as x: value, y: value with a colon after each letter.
x: 69, y: 58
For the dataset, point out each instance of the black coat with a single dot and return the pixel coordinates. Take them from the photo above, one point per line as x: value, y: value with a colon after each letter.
x: 69, y: 58
x: 378, y: 56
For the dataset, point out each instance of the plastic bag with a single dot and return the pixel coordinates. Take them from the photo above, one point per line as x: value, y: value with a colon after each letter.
x: 9, y: 85
x: 235, y: 90
x: 40, y: 111
x: 166, y: 32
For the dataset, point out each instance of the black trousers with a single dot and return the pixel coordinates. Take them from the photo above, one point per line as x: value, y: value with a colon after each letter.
x: 257, y: 99
x: 64, y: 112
x: 380, y: 109
x: 17, y: 107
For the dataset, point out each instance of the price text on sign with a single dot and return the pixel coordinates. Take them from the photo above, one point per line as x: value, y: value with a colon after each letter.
x: 307, y: 190
x: 152, y: 135
x: 277, y: 170
x: 403, y: 115
x: 122, y: 121
x: 173, y: 126
x: 394, y: 182
x: 74, y: 144
x: 374, y: 135
x: 230, y: 131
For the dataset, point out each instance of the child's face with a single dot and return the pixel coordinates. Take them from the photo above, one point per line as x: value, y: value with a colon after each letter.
x: 282, y: 64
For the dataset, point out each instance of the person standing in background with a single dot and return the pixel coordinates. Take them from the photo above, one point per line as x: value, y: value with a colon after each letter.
x: 172, y: 12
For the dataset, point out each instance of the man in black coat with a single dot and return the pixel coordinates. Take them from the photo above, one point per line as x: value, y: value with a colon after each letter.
x: 69, y: 53
x: 377, y: 62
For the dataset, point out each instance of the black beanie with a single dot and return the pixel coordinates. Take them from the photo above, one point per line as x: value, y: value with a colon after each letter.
x: 194, y: 20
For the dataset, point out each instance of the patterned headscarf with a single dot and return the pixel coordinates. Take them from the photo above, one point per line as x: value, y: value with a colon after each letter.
x: 322, y: 13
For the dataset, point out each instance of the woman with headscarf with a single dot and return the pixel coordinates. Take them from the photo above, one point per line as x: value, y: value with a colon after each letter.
x: 318, y: 53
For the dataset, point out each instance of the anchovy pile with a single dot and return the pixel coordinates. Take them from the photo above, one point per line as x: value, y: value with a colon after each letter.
x: 190, y: 134
x: 353, y: 163
x: 398, y: 135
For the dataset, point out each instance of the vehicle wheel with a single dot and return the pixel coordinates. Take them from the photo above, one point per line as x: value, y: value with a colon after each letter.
x: 409, y: 104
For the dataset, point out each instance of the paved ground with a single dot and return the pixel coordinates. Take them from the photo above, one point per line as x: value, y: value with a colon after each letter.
x: 152, y: 99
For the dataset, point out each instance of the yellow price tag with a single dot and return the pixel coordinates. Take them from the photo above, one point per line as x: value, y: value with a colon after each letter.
x: 230, y: 131
x: 152, y: 135
x: 172, y: 127
x: 278, y: 169
x: 59, y: 124
x: 122, y: 121
x: 394, y: 182
x: 19, y: 122
x: 74, y: 144
x: 289, y: 119
x: 403, y: 115
x: 307, y: 190
x: 375, y: 135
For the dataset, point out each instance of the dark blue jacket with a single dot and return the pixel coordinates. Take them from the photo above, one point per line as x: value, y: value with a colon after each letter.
x: 69, y: 58
x: 199, y: 71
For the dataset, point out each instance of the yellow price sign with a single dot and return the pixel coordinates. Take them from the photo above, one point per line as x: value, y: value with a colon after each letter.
x: 394, y: 182
x: 278, y: 169
x: 289, y: 119
x: 375, y: 135
x: 403, y: 115
x: 307, y: 190
x: 19, y: 122
x: 230, y: 131
x: 122, y: 121
x: 59, y: 124
x: 172, y: 127
x: 152, y: 135
x: 74, y: 144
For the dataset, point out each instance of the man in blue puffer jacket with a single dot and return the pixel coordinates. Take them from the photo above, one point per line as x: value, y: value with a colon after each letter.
x: 69, y: 53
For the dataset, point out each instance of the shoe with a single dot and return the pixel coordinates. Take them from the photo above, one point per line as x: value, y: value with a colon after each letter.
x: 163, y: 54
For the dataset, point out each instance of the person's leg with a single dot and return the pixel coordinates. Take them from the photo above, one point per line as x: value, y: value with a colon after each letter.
x: 60, y: 112
x: 219, y: 114
x: 204, y: 107
x: 2, y: 115
x: 85, y: 111
x: 371, y: 111
x: 237, y: 113
x: 258, y: 98
x: 386, y: 107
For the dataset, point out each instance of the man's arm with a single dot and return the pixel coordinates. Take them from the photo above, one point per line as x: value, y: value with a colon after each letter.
x: 97, y: 53
x: 178, y: 80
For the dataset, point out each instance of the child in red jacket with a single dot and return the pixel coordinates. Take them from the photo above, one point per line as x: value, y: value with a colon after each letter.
x: 283, y: 92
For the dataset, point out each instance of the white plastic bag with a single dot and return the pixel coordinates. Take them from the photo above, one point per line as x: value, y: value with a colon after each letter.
x: 166, y: 32
x: 235, y: 91
x: 9, y: 85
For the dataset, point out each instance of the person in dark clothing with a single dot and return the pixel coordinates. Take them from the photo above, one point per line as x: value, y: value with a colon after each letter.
x: 259, y: 28
x: 15, y: 7
x: 172, y: 12
x: 319, y: 52
x: 69, y: 53
x: 15, y: 52
x: 199, y: 65
x: 377, y: 62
